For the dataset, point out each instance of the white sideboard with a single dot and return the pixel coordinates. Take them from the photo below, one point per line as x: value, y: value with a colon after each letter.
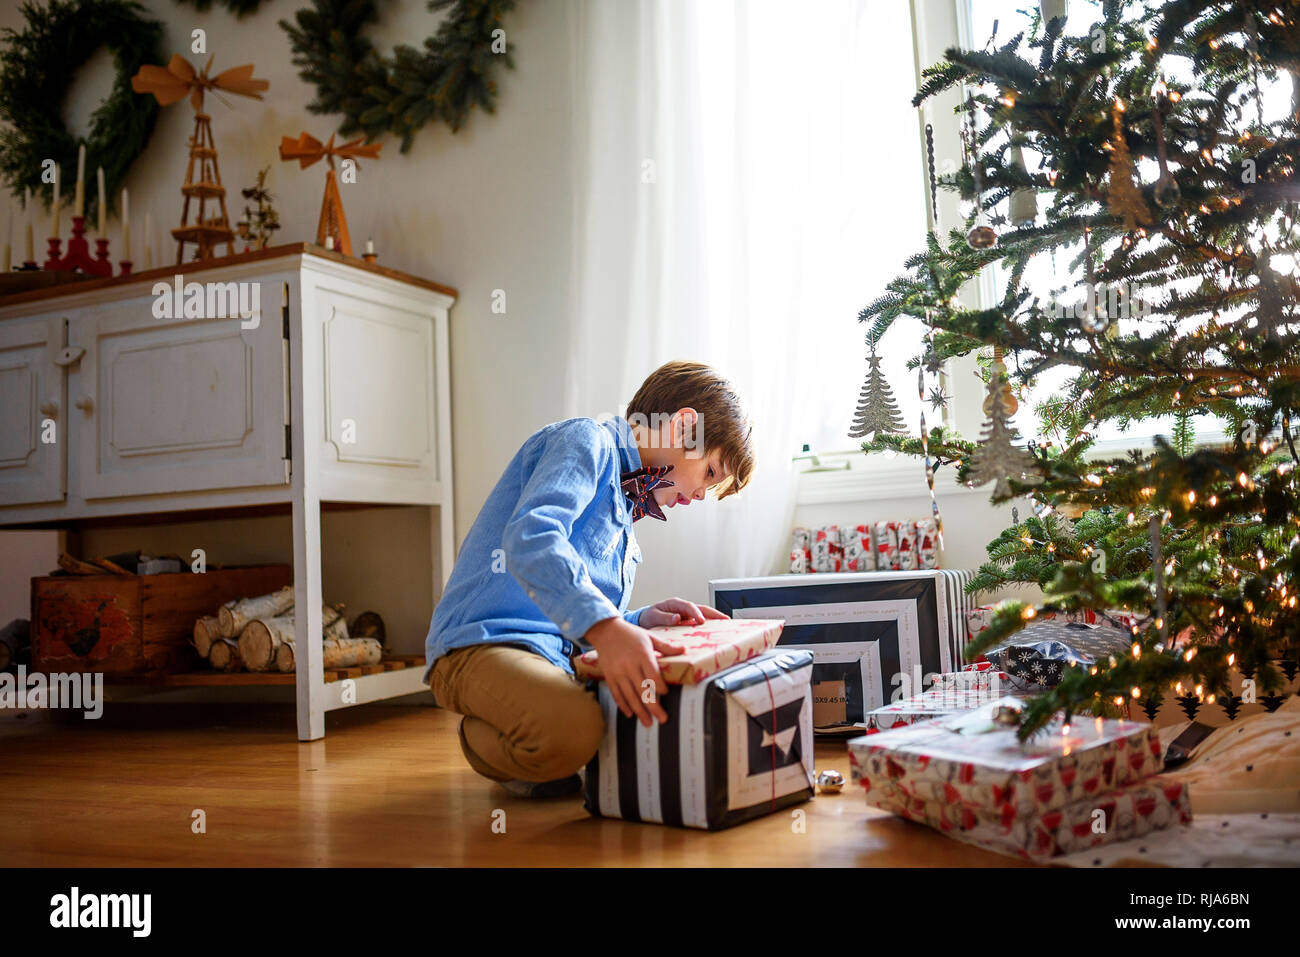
x: 336, y: 390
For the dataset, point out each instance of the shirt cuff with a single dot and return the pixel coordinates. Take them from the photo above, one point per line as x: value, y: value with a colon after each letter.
x: 587, y: 607
x: 633, y: 617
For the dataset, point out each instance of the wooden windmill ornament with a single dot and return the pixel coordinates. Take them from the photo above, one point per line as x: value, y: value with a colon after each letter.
x: 171, y: 84
x: 306, y: 149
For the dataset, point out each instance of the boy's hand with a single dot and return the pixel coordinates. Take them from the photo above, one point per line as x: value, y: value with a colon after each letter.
x: 677, y: 611
x: 627, y: 658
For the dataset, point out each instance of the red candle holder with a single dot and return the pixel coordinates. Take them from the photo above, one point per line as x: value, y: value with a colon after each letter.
x: 103, y: 266
x: 124, y: 267
x: 53, y: 259
x: 78, y: 255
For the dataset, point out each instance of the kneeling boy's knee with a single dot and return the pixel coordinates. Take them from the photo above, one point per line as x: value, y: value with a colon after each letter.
x: 567, y: 737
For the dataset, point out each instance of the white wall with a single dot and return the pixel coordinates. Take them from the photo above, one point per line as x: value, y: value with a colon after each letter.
x: 487, y: 208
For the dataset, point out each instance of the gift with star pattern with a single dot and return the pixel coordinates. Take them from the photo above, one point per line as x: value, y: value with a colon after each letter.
x: 1038, y: 655
x: 737, y: 745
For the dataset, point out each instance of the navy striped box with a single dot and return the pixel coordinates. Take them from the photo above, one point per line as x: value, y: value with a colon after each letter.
x: 876, y: 636
x: 736, y: 746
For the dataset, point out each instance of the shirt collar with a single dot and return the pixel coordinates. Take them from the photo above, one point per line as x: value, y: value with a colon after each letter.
x: 629, y: 456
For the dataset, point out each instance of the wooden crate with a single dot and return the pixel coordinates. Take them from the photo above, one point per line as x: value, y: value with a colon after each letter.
x: 134, y: 624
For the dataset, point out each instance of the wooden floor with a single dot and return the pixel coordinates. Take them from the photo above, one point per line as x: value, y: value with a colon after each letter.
x: 386, y: 786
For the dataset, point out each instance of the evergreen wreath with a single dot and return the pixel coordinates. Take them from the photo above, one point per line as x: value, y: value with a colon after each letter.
x: 237, y: 7
x: 398, y: 95
x: 36, y: 69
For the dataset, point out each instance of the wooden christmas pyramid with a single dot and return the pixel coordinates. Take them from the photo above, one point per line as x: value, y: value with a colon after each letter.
x: 306, y: 149
x: 202, y: 175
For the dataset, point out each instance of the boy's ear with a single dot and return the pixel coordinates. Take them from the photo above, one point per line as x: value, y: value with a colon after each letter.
x: 686, y: 434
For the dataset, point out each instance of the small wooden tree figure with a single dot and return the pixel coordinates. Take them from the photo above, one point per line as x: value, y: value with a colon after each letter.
x: 998, y: 456
x: 171, y: 84
x: 258, y: 224
x: 306, y: 149
x: 877, y: 411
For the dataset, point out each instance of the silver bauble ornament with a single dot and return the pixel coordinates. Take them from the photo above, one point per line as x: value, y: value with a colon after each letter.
x: 830, y: 782
x: 1006, y: 715
x: 1166, y: 192
x: 1095, y: 320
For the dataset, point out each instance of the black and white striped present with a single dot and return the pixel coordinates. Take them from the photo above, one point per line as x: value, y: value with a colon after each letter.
x: 875, y: 635
x: 736, y: 746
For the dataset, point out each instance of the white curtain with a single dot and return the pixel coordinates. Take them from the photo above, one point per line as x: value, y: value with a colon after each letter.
x: 727, y: 183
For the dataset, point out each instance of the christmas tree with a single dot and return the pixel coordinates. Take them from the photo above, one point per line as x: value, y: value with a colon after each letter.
x: 1163, y: 176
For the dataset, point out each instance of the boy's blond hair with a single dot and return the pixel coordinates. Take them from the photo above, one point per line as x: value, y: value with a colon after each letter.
x: 722, y: 422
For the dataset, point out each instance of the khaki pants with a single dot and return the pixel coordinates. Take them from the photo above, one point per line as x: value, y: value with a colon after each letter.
x: 524, y: 717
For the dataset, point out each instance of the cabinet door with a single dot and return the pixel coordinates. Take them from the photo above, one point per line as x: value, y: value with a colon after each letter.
x: 33, y: 425
x: 380, y: 394
x: 177, y: 405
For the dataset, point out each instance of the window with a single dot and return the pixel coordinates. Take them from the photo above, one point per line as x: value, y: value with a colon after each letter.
x: 881, y: 221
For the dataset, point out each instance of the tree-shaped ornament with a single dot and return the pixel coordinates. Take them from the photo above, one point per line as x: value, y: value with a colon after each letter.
x: 171, y: 84
x: 877, y: 411
x: 307, y: 150
x: 1124, y: 198
x: 998, y: 457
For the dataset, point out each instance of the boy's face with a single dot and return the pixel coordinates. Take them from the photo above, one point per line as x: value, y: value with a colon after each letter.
x: 677, y: 442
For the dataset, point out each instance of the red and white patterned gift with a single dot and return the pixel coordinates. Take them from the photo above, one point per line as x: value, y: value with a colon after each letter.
x: 927, y: 543
x: 858, y: 553
x: 827, y: 550
x: 1108, y: 818
x: 950, y: 697
x: 713, y: 646
x: 907, y: 543
x: 968, y: 759
x: 887, y: 535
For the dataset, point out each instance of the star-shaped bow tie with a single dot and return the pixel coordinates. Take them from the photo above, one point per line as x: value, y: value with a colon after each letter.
x: 639, y: 488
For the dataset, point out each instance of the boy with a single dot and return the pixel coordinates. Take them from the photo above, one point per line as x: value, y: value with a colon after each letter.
x: 546, y: 572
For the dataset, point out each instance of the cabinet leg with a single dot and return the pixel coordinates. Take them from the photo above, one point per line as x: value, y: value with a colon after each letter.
x: 307, y: 618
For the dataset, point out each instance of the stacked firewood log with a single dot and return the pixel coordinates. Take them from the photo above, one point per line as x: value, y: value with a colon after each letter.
x: 257, y: 634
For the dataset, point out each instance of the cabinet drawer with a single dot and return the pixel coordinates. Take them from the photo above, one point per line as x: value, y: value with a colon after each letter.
x: 178, y: 405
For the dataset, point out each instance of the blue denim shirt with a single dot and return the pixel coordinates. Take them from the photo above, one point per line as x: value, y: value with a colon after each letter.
x: 552, y: 551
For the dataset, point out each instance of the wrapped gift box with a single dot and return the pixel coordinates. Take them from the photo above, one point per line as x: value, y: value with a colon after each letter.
x: 978, y: 618
x: 967, y: 759
x: 928, y: 705
x: 870, y: 632
x: 736, y: 746
x: 710, y: 647
x: 950, y: 694
x: 1039, y: 654
x: 1108, y: 818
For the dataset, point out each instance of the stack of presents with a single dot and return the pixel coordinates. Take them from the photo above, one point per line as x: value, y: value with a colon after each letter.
x: 876, y: 658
